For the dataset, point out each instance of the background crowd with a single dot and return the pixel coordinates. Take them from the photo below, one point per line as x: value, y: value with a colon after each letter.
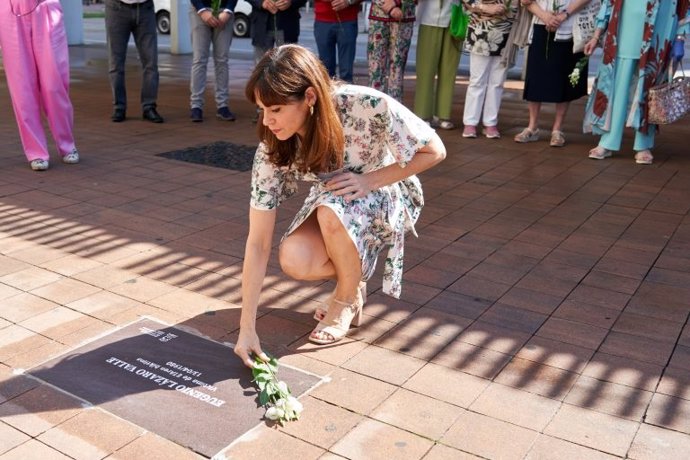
x: 637, y: 38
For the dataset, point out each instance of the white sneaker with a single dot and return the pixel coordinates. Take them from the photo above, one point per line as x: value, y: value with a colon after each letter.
x: 39, y: 164
x: 71, y: 158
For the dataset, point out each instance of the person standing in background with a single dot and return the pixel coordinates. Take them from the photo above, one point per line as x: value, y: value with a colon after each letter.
x: 138, y: 18
x: 273, y: 23
x: 487, y: 37
x: 391, y: 26
x: 438, y: 55
x: 36, y: 61
x: 335, y: 32
x: 641, y: 38
x: 210, y: 28
x: 550, y: 60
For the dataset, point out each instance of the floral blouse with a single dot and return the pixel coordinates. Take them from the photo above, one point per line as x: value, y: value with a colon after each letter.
x: 379, y: 131
x: 488, y: 35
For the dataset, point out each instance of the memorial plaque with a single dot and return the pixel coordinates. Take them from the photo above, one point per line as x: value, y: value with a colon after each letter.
x: 186, y: 388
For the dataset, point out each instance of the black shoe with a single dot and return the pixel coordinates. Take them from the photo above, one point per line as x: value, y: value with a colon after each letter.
x: 151, y: 115
x: 118, y: 115
x: 225, y: 114
x: 196, y: 114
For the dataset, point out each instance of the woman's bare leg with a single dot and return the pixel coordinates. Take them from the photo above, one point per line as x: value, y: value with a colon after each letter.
x: 561, y: 112
x: 533, y: 108
x: 303, y: 254
x: 321, y: 249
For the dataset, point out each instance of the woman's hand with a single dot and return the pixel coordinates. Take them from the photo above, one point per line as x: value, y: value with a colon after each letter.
x: 248, y: 343
x: 590, y: 46
x: 349, y: 185
x: 551, y: 21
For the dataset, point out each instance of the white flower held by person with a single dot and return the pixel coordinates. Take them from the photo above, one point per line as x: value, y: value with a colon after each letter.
x: 275, y: 394
x: 574, y: 76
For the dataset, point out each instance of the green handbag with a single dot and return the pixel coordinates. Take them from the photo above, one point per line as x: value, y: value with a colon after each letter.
x: 458, y: 21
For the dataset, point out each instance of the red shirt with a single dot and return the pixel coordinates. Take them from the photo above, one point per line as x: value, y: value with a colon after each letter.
x: 323, y: 12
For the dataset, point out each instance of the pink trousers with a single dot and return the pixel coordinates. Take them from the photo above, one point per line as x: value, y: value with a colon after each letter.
x: 36, y: 61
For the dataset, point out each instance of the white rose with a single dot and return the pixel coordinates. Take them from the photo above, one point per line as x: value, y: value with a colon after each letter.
x: 274, y: 413
x: 282, y: 386
x: 292, y: 404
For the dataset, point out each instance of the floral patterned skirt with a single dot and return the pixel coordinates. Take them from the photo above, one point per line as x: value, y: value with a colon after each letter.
x: 373, y: 223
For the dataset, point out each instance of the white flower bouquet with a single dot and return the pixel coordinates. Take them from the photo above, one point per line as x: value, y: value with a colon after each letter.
x: 274, y: 394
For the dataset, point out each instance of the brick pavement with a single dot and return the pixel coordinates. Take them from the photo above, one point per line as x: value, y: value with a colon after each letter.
x: 544, y: 312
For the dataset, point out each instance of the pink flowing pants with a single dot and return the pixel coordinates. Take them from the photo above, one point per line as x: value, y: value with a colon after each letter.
x: 36, y: 61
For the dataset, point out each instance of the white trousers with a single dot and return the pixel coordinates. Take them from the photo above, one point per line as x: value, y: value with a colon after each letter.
x: 485, y: 90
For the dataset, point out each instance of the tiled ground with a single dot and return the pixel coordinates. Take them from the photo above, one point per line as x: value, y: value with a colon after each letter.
x: 544, y: 315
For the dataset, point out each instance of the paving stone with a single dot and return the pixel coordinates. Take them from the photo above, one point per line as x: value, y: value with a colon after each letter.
x: 624, y: 371
x: 385, y: 365
x: 447, y: 385
x: 322, y: 423
x: 152, y: 447
x: 557, y: 354
x: 10, y: 438
x: 441, y: 452
x: 652, y: 442
x: 547, y: 447
x: 353, y: 391
x: 598, y: 431
x: 419, y: 414
x: 376, y: 440
x: 29, y: 278
x: 478, y: 361
x: 33, y: 450
x: 540, y: 379
x: 610, y: 398
x: 669, y: 412
x: 489, y: 438
x: 91, y: 434
x: 515, y: 406
x: 38, y: 410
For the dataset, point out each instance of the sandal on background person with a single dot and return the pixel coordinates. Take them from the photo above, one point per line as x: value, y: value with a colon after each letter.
x: 441, y: 123
x: 527, y: 135
x: 644, y: 157
x: 557, y: 139
x: 599, y: 153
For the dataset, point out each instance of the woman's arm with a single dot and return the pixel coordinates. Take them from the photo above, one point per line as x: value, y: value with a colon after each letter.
x: 256, y: 253
x: 355, y: 186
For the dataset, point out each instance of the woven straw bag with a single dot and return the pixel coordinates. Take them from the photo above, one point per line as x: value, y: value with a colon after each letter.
x: 669, y: 102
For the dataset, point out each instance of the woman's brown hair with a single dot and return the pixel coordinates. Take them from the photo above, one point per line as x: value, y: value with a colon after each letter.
x: 283, y: 76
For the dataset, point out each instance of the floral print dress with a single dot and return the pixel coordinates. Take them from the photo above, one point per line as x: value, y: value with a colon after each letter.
x: 379, y: 131
x: 488, y: 36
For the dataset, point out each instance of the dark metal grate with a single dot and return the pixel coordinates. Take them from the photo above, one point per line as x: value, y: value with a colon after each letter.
x: 218, y: 154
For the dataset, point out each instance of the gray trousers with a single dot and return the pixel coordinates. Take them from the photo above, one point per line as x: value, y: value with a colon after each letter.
x: 203, y: 37
x: 138, y: 20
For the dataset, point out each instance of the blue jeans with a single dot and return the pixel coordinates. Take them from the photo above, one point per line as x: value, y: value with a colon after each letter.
x: 139, y: 20
x: 340, y: 38
x: 203, y: 37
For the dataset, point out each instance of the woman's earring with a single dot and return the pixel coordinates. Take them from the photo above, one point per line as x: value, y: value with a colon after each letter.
x: 311, y: 110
